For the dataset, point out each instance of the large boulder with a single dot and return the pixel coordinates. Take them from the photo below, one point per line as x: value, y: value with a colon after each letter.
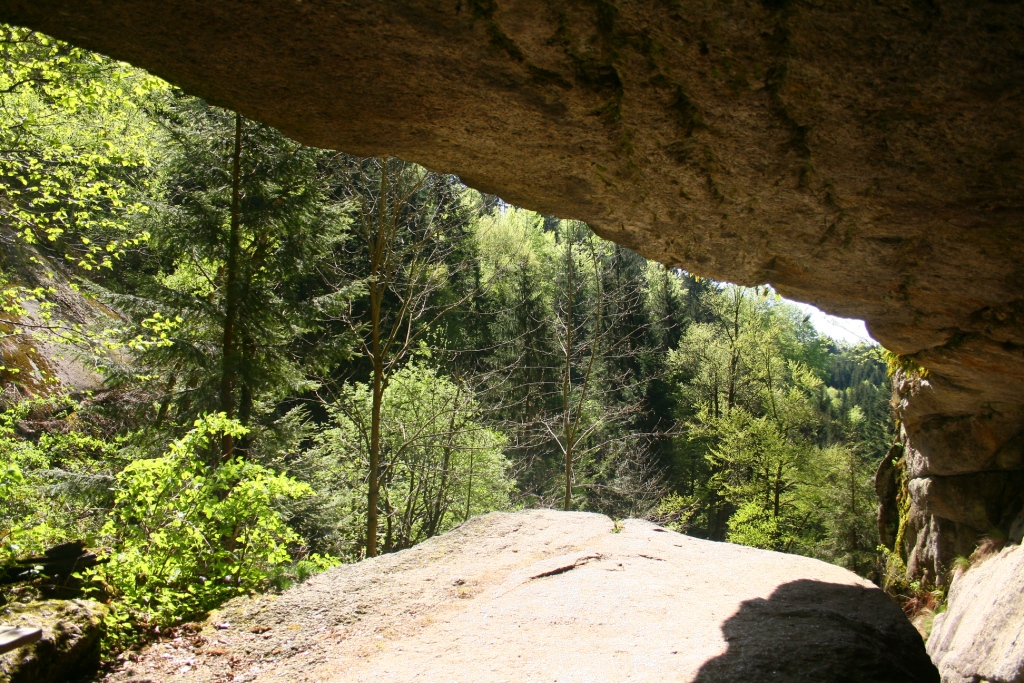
x: 69, y: 648
x: 566, y: 596
x: 980, y: 636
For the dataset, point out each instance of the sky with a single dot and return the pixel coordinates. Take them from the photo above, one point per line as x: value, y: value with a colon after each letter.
x: 840, y: 329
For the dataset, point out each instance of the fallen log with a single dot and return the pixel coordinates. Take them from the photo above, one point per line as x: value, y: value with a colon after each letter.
x: 13, y: 637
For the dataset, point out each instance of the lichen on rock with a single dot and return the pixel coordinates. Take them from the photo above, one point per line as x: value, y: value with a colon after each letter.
x: 69, y: 648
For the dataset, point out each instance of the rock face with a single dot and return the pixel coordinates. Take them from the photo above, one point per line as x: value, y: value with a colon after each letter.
x: 980, y: 637
x: 965, y: 467
x: 70, y: 645
x: 542, y: 596
x: 867, y: 157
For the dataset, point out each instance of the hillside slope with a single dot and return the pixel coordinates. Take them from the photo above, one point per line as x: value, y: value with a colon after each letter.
x: 37, y: 352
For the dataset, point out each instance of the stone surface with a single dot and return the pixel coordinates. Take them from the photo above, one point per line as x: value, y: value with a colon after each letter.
x: 965, y: 474
x: 867, y: 157
x: 980, y: 636
x: 546, y: 596
x: 69, y: 648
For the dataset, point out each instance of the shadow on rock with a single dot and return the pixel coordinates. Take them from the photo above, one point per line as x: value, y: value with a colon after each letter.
x: 820, y: 632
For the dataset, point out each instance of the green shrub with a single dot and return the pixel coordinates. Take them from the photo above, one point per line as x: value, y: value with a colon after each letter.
x: 754, y: 525
x: 188, y: 537
x: 55, y: 488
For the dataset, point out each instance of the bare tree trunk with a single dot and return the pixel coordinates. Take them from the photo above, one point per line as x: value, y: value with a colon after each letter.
x: 734, y: 356
x: 373, y: 496
x: 469, y: 486
x: 166, y: 403
x: 777, y: 508
x: 567, y: 380
x: 571, y: 418
x: 770, y: 384
x: 229, y: 364
x: 439, y: 509
x: 389, y: 519
x: 402, y: 250
x: 379, y: 246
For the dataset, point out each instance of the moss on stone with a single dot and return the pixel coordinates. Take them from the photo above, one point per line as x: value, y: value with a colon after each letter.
x: 70, y: 646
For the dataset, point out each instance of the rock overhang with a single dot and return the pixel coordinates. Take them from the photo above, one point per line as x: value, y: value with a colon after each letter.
x: 864, y: 157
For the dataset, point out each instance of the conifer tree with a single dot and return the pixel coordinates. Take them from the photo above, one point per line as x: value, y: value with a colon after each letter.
x: 244, y: 217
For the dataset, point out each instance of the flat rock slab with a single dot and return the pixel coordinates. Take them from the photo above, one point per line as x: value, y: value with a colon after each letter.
x: 554, y: 596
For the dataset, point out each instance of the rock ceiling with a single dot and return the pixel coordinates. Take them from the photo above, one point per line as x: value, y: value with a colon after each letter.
x: 867, y: 157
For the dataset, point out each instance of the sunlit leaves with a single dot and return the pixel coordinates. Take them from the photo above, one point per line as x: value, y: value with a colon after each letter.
x: 189, y: 536
x: 441, y: 463
x: 76, y: 147
x: 34, y: 495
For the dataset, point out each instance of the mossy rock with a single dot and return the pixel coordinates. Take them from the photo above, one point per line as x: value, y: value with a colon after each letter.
x: 70, y: 645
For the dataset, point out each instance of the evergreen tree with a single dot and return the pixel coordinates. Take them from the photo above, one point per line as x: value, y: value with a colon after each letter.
x: 244, y: 218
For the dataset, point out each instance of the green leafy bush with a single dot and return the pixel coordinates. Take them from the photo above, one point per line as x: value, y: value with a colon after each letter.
x: 54, y: 488
x: 755, y: 525
x: 23, y: 523
x: 442, y: 464
x: 189, y: 536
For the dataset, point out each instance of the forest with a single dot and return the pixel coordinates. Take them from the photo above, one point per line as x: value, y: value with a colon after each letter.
x: 231, y: 361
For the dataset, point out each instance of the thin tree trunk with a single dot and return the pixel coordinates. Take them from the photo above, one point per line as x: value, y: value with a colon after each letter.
x: 378, y: 249
x: 229, y: 365
x: 778, y: 489
x: 389, y: 519
x: 733, y: 355
x: 166, y: 403
x: 405, y: 531
x: 567, y: 381
x: 571, y: 421
x: 373, y: 497
x: 245, y: 405
x: 469, y: 486
x: 771, y: 385
x: 439, y: 508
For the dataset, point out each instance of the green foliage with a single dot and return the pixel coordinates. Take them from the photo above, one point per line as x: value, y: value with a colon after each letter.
x: 187, y: 538
x: 53, y: 488
x: 757, y: 470
x: 441, y: 465
x: 573, y: 342
x: 675, y: 512
x: 895, y: 362
x: 75, y: 145
x: 754, y: 524
x: 782, y: 436
x: 221, y: 313
x: 77, y: 158
x: 844, y: 500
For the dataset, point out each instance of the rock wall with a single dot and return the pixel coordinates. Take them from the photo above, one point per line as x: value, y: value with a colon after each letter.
x: 964, y: 473
x: 866, y: 157
x: 980, y: 637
